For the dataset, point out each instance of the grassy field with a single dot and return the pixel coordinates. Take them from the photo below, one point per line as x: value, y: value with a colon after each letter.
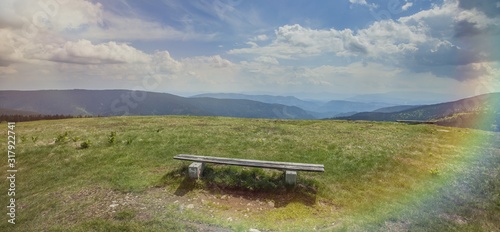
x: 106, y: 174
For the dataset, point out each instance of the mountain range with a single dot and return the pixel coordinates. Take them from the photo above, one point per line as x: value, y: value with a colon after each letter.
x: 318, y: 109
x: 127, y: 102
x: 482, y: 112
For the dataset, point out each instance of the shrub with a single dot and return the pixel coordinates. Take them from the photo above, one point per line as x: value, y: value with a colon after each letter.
x: 434, y: 172
x: 253, y: 179
x: 34, y: 138
x: 61, y: 138
x: 112, y: 137
x: 85, y: 144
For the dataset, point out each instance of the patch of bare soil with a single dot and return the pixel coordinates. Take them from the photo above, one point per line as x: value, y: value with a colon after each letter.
x: 231, y: 205
x: 454, y: 218
x: 396, y: 226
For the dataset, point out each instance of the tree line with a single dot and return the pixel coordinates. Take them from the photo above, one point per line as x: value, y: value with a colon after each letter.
x: 36, y: 117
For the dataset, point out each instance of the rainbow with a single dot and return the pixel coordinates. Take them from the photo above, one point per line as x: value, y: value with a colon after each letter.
x: 459, y: 190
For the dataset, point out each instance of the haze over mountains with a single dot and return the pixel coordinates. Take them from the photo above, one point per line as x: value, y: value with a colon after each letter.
x: 464, y: 113
x: 319, y: 109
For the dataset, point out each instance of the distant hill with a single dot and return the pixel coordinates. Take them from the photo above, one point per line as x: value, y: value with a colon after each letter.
x: 120, y: 102
x: 480, y: 112
x: 393, y: 109
x: 316, y: 108
x: 404, y: 98
x: 351, y: 106
x: 284, y: 100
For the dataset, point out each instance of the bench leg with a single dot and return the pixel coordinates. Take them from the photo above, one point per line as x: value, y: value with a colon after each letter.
x: 195, y: 170
x: 291, y: 177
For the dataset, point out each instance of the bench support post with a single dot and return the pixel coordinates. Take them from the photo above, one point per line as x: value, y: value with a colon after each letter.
x: 291, y: 177
x: 195, y: 170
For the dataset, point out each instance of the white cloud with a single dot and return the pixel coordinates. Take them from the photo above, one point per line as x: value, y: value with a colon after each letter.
x: 213, y: 61
x: 294, y: 41
x: 267, y: 60
x: 63, y: 31
x: 8, y: 51
x: 260, y: 38
x: 84, y: 19
x: 56, y: 16
x: 84, y: 52
x: 361, y: 2
x: 162, y: 62
x: 407, y: 6
x: 380, y: 39
x: 372, y: 6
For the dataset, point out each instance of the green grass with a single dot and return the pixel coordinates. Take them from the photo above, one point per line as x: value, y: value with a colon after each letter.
x: 378, y: 176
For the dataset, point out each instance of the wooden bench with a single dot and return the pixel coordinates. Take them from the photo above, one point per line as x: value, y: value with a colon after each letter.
x: 196, y: 168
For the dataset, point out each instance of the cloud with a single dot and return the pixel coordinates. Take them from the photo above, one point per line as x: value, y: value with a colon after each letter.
x: 488, y: 7
x: 372, y: 6
x: 437, y: 40
x: 407, y: 6
x: 219, y: 16
x: 295, y: 41
x: 267, y: 60
x: 76, y: 32
x: 53, y: 15
x: 213, y: 61
x: 117, y: 27
x: 84, y: 52
x: 162, y: 62
x: 84, y: 19
x: 8, y: 52
x: 360, y: 2
x: 377, y: 41
x: 465, y: 28
x: 97, y: 46
x: 450, y: 48
x: 260, y: 38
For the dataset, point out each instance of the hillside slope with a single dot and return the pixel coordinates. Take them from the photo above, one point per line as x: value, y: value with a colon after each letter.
x: 125, y: 102
x: 393, y: 109
x: 480, y: 112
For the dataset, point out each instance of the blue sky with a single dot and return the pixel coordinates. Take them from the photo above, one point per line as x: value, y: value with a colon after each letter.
x: 311, y: 49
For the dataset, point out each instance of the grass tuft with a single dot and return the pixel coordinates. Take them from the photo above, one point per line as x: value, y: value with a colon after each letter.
x: 85, y: 144
x: 112, y: 137
x: 127, y: 214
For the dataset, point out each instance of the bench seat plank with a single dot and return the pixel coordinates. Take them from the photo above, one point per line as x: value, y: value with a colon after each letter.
x: 253, y: 163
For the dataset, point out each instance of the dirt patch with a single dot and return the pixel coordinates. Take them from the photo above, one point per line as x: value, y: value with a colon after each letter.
x: 105, y: 203
x: 396, y: 226
x: 454, y: 218
x: 99, y: 202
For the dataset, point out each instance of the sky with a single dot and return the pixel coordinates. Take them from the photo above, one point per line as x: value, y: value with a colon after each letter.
x: 310, y: 49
